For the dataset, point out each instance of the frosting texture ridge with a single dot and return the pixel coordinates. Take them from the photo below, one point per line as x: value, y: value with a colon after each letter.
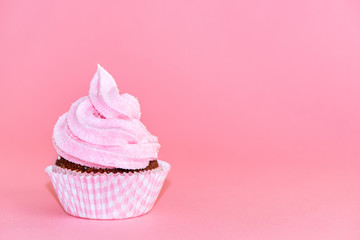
x: 104, y: 129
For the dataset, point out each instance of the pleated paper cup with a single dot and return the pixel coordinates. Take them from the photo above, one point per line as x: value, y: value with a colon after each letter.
x: 107, y: 196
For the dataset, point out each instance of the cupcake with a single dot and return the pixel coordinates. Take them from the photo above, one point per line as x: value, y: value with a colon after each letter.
x: 107, y: 165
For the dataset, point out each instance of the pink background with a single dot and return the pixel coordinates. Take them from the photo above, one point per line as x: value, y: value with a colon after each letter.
x: 255, y: 103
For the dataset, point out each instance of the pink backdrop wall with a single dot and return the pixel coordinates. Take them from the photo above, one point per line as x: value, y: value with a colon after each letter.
x: 255, y: 103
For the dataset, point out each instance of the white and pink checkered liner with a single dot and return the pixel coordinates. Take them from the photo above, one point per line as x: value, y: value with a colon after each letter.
x: 107, y: 196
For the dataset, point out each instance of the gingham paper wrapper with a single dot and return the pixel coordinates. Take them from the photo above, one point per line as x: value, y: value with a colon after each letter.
x: 107, y: 196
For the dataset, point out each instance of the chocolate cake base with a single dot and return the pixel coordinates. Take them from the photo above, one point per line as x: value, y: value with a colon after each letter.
x: 63, y: 163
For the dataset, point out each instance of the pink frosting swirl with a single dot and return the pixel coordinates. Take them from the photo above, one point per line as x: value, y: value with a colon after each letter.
x: 104, y: 129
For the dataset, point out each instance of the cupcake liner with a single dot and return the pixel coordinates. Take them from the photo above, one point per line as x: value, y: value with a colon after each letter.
x: 107, y: 196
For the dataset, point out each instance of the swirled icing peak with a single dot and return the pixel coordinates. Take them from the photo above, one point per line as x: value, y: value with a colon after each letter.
x: 104, y: 129
x: 105, y: 97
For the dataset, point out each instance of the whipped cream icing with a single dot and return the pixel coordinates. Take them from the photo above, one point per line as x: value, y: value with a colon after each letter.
x: 104, y: 129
